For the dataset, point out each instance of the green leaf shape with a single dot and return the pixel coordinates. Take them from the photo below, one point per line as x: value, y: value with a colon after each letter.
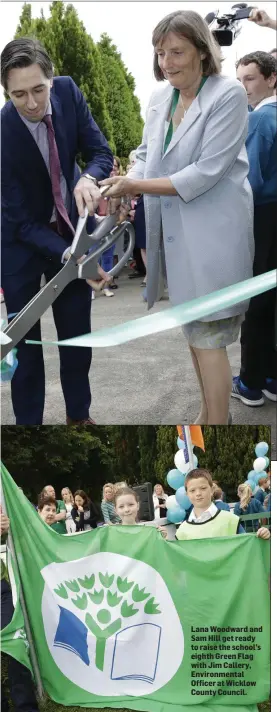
x: 151, y: 607
x: 127, y: 611
x: 73, y: 586
x: 106, y: 580
x: 104, y: 616
x: 81, y: 601
x: 96, y: 596
x: 124, y: 585
x: 113, y: 599
x: 87, y: 582
x: 138, y: 594
x: 61, y: 591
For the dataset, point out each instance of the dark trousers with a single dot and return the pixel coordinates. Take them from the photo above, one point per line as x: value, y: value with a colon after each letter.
x: 22, y: 691
x: 258, y: 331
x: 71, y: 313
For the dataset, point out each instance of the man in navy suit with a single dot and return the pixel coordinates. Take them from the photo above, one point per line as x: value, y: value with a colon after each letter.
x: 45, y: 125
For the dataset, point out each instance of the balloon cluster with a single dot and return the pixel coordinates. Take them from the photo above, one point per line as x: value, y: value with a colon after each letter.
x: 260, y: 465
x: 178, y: 503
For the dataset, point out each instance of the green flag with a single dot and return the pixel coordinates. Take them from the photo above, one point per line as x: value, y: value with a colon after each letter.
x: 123, y: 618
x: 13, y: 637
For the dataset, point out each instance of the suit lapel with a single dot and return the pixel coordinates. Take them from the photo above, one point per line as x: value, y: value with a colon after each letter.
x: 184, y: 126
x: 25, y: 146
x: 60, y: 134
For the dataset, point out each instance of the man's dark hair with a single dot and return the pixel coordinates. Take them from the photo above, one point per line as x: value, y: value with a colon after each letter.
x: 23, y: 52
x: 273, y: 50
x: 45, y: 501
x: 266, y: 62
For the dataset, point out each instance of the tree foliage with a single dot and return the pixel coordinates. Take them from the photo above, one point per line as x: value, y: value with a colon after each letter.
x: 87, y: 457
x: 97, y: 69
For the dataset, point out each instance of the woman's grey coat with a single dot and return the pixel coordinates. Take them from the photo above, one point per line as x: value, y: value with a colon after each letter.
x: 208, y: 227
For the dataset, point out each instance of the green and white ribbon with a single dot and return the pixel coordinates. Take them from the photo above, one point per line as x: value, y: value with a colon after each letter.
x: 174, y: 316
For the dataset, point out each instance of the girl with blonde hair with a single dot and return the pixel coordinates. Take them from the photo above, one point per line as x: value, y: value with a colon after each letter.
x: 68, y: 499
x: 248, y: 504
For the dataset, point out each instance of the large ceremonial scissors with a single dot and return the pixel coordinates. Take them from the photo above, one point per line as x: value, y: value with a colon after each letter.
x: 85, y: 246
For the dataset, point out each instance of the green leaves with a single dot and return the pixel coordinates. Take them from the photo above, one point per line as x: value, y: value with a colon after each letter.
x: 151, y: 608
x: 61, y: 591
x: 124, y: 585
x: 138, y: 594
x: 73, y: 586
x: 80, y: 602
x: 127, y: 611
x: 106, y: 580
x: 113, y: 599
x: 87, y: 582
x: 96, y: 596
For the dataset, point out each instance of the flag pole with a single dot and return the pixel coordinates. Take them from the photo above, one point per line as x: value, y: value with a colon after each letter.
x: 33, y: 657
x: 189, y: 446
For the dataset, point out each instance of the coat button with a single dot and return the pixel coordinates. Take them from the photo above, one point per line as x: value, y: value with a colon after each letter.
x: 167, y: 204
x: 170, y: 238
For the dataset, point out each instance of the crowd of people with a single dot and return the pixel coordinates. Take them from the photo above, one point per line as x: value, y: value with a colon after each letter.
x: 75, y: 512
x: 208, y: 149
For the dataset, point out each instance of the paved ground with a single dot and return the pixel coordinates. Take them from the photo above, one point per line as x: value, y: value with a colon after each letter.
x: 150, y: 380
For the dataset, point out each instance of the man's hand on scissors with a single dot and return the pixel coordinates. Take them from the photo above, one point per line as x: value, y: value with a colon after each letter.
x: 97, y: 285
x: 87, y: 195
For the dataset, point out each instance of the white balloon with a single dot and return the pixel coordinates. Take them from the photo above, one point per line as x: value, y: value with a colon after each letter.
x: 180, y: 463
x: 259, y: 464
x: 171, y: 502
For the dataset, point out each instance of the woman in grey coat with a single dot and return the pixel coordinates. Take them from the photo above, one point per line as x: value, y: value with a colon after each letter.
x: 192, y: 168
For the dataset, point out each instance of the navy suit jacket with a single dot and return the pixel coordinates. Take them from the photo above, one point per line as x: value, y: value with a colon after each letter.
x: 27, y: 201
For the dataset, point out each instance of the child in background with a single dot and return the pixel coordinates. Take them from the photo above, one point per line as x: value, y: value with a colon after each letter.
x: 68, y: 499
x: 248, y: 504
x: 261, y: 492
x: 47, y: 510
x: 107, y: 505
x: 218, y: 498
x: 214, y: 522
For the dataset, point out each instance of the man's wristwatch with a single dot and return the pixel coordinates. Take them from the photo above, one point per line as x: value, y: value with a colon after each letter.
x: 87, y: 175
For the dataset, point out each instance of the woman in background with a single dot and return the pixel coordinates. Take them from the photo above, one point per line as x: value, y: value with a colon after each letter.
x: 68, y: 499
x: 107, y: 505
x: 83, y: 512
x: 159, y: 501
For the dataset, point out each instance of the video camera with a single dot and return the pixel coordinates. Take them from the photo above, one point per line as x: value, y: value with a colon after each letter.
x: 227, y: 27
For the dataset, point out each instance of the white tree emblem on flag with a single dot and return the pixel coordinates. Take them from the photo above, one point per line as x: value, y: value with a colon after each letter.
x: 112, y: 615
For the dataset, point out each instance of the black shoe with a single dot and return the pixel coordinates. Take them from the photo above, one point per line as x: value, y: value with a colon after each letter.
x: 113, y: 286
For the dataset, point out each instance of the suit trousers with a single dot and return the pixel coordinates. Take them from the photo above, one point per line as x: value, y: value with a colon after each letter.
x: 21, y: 686
x: 258, y: 331
x: 71, y: 312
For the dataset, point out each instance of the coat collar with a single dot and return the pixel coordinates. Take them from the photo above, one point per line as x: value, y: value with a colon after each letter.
x: 161, y: 109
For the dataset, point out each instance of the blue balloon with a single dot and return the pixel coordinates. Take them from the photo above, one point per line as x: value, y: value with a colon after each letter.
x: 251, y: 475
x: 182, y: 498
x: 251, y: 483
x: 259, y: 475
x: 261, y: 449
x: 180, y: 444
x: 267, y: 461
x: 176, y: 514
x: 175, y: 479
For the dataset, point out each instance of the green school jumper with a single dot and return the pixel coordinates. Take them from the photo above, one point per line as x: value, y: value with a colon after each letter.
x: 222, y: 524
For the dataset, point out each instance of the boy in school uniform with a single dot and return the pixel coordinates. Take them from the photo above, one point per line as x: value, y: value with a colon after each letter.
x: 204, y: 519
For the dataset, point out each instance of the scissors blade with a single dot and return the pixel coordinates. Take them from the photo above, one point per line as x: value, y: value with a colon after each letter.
x: 31, y: 313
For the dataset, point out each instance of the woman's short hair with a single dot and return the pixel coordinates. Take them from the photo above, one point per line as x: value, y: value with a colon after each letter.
x: 217, y: 492
x: 189, y: 24
x: 44, y: 501
x: 22, y: 52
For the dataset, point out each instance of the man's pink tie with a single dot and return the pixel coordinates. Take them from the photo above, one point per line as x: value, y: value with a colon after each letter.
x: 55, y: 173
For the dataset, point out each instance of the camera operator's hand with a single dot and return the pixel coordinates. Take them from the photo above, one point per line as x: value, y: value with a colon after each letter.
x: 260, y: 17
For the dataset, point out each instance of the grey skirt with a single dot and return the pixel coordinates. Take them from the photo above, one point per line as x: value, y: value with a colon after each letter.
x: 213, y: 334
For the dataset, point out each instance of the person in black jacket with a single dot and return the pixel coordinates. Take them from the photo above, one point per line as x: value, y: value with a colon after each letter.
x: 83, y: 512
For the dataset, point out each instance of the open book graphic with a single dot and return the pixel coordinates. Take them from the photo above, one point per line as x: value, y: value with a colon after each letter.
x: 71, y: 634
x: 136, y: 653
